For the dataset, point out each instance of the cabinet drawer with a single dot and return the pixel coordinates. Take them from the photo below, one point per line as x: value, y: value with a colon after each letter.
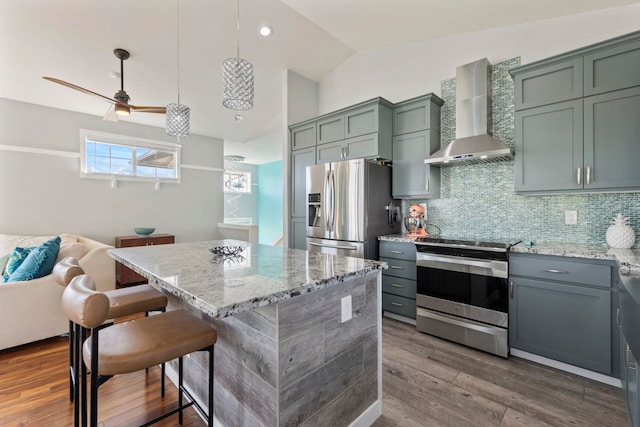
x: 554, y: 83
x: 399, y: 250
x: 560, y: 270
x: 398, y: 286
x: 399, y: 305
x: 400, y: 268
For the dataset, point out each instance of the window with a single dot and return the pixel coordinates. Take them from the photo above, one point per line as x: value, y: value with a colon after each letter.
x: 105, y: 155
x: 237, y: 182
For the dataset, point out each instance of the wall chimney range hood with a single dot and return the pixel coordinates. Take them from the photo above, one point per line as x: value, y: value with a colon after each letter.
x: 473, y: 143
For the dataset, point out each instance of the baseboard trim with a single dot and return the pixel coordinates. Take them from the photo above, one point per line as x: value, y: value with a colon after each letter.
x: 369, y: 416
x: 566, y: 367
x: 400, y: 318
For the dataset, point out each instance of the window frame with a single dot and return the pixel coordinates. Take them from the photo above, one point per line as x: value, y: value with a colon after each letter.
x: 87, y: 135
x: 237, y: 172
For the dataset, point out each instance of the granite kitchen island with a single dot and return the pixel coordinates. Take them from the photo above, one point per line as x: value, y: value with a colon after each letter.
x: 284, y: 357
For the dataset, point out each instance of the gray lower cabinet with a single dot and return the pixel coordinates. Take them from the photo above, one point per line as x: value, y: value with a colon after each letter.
x: 399, y: 280
x: 561, y: 308
x: 629, y: 377
x: 298, y: 233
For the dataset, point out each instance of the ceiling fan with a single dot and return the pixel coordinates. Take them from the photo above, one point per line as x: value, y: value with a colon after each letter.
x: 120, y: 101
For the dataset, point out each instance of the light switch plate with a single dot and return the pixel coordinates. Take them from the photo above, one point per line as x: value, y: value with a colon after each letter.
x: 346, y: 308
x: 570, y: 217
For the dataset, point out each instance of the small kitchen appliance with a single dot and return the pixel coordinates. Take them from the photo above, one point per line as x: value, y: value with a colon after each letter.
x: 414, y: 222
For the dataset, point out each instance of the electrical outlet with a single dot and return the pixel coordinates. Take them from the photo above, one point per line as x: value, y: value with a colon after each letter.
x: 346, y: 308
x: 571, y: 217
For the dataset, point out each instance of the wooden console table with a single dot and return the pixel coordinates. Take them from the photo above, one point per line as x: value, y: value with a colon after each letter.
x: 124, y: 275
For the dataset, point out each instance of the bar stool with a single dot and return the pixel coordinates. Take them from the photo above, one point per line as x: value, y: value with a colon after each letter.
x: 134, y: 345
x: 122, y: 302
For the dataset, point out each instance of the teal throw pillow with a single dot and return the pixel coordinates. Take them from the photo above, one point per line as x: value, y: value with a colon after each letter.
x: 38, y: 263
x: 15, y: 260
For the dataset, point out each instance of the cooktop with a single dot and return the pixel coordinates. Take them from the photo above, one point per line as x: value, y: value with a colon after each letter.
x: 501, y: 246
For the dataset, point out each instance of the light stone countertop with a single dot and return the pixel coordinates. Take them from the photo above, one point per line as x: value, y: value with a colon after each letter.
x: 262, y: 275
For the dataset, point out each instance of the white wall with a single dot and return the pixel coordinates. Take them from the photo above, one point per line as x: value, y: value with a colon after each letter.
x: 44, y: 194
x: 402, y: 72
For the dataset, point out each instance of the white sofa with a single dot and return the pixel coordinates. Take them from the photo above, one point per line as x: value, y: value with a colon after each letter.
x: 31, y: 310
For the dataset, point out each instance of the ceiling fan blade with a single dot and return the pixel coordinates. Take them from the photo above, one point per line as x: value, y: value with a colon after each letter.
x: 81, y: 89
x: 110, y: 115
x: 148, y: 109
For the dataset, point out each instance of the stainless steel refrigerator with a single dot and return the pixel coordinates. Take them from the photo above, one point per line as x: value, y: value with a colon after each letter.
x: 349, y: 204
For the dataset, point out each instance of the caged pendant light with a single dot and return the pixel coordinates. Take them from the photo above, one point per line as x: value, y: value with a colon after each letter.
x: 237, y: 77
x: 178, y: 114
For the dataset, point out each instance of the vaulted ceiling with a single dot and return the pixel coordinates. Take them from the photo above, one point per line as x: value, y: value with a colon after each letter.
x: 73, y: 40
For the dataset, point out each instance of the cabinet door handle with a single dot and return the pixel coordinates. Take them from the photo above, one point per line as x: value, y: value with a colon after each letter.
x: 397, y: 252
x: 397, y: 304
x: 395, y: 285
x: 618, y: 317
x: 395, y: 267
x: 626, y: 357
x: 553, y: 270
x: 579, y: 176
x: 426, y: 187
x: 511, y: 289
x: 588, y: 175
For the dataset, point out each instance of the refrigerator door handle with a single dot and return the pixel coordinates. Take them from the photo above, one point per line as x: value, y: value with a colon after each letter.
x: 326, y: 201
x: 332, y: 185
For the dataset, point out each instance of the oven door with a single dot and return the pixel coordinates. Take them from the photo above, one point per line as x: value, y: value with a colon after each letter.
x: 467, y: 287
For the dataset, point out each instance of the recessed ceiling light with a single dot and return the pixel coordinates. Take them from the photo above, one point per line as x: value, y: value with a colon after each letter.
x: 265, y: 31
x: 238, y: 117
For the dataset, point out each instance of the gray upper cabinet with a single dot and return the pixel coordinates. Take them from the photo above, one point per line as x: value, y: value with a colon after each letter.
x: 577, y: 120
x: 549, y: 147
x: 561, y: 308
x: 417, y: 114
x: 303, y: 135
x: 412, y: 178
x: 555, y: 83
x: 362, y: 120
x: 612, y: 69
x: 330, y: 128
x: 416, y: 129
x: 612, y: 141
x: 366, y: 146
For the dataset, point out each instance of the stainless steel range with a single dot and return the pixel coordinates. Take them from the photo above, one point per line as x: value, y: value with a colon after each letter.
x: 462, y: 292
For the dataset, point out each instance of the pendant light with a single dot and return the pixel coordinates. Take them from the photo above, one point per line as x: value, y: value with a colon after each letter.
x: 237, y: 77
x: 178, y: 114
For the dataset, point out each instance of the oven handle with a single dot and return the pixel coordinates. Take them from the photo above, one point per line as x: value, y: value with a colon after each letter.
x: 497, y: 268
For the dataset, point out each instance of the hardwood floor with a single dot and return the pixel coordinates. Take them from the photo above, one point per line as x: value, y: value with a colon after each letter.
x: 426, y: 382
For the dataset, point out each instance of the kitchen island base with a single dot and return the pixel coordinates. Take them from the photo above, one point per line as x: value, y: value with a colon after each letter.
x: 294, y: 363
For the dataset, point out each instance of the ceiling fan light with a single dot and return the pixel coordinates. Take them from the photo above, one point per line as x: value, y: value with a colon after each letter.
x: 237, y: 77
x: 122, y: 110
x: 178, y: 120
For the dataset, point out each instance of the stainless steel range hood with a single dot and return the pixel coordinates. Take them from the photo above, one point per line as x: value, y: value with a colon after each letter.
x: 473, y: 143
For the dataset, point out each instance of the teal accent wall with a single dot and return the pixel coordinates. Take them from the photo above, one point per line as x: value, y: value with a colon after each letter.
x: 270, y: 202
x: 478, y: 202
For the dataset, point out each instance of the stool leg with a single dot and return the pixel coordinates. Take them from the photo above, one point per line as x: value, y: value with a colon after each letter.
x: 211, y: 411
x: 73, y: 374
x: 72, y: 342
x: 180, y: 369
x: 162, y: 368
x: 94, y: 378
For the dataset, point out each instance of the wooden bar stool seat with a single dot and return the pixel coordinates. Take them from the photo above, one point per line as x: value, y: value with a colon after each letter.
x: 134, y: 345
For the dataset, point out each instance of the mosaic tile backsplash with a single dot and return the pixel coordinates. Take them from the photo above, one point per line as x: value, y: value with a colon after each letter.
x: 478, y: 202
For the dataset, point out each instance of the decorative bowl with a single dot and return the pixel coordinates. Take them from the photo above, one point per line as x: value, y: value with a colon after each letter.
x: 144, y: 231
